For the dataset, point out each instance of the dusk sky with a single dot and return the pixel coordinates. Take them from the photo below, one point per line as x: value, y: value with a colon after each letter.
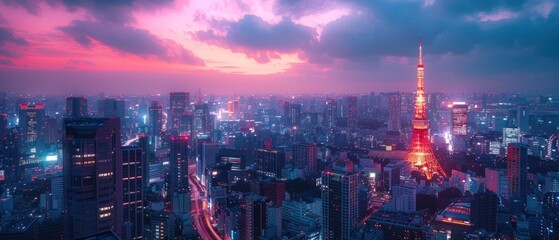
x: 277, y: 46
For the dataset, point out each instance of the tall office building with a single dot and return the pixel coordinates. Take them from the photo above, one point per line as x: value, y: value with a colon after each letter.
x: 394, y: 112
x: 148, y: 154
x: 179, y: 105
x: 155, y: 123
x: 210, y: 151
x: 339, y: 203
x: 352, y: 117
x: 305, y: 156
x: 459, y: 119
x: 484, y: 211
x: 31, y: 121
x: 403, y: 198
x: 270, y: 162
x: 92, y: 176
x: 331, y: 113
x: 517, y: 171
x: 233, y: 110
x: 202, y: 119
x: 32, y: 125
x: 178, y: 160
x: 10, y: 159
x: 132, y: 190
x: 292, y: 114
x: 110, y: 107
x: 76, y: 107
x: 186, y: 125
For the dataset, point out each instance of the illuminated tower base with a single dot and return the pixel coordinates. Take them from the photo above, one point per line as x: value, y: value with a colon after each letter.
x: 420, y: 155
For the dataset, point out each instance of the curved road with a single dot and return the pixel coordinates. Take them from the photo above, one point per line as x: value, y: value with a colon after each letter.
x: 199, y: 213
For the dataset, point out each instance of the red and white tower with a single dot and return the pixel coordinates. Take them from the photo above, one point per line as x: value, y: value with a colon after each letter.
x: 420, y: 155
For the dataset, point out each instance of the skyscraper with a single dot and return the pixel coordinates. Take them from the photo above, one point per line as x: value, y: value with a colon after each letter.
x: 155, y: 123
x: 132, y: 190
x: 202, y: 121
x: 207, y: 159
x: 331, y: 113
x: 32, y: 125
x: 10, y: 159
x: 270, y: 162
x: 92, y: 176
x: 517, y: 171
x: 352, y: 118
x: 178, y: 160
x: 292, y: 114
x: 148, y: 154
x: 76, y: 107
x: 110, y: 107
x: 339, y: 203
x: 305, y: 156
x: 394, y: 112
x: 179, y: 104
x: 459, y: 119
x: 420, y: 155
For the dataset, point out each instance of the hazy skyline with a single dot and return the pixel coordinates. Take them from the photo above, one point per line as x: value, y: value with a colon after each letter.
x: 281, y: 46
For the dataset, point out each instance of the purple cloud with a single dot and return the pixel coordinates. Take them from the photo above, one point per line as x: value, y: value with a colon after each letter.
x: 129, y: 40
x: 259, y: 39
x: 7, y: 36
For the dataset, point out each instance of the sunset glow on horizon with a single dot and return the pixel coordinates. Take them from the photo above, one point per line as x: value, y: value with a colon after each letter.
x: 351, y: 46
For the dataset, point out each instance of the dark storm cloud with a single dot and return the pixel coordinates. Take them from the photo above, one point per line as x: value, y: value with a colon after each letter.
x: 260, y: 39
x: 8, y: 37
x: 129, y: 40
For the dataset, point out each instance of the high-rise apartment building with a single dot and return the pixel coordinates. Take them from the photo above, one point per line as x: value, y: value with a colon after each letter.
x: 339, y: 203
x: 517, y: 171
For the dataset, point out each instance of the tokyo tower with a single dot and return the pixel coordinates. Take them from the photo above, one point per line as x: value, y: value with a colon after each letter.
x: 420, y: 155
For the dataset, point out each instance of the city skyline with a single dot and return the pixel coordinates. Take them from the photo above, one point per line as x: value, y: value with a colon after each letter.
x: 245, y: 47
x: 279, y: 119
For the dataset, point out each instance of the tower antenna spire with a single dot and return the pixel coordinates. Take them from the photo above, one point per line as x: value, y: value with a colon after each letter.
x: 420, y: 64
